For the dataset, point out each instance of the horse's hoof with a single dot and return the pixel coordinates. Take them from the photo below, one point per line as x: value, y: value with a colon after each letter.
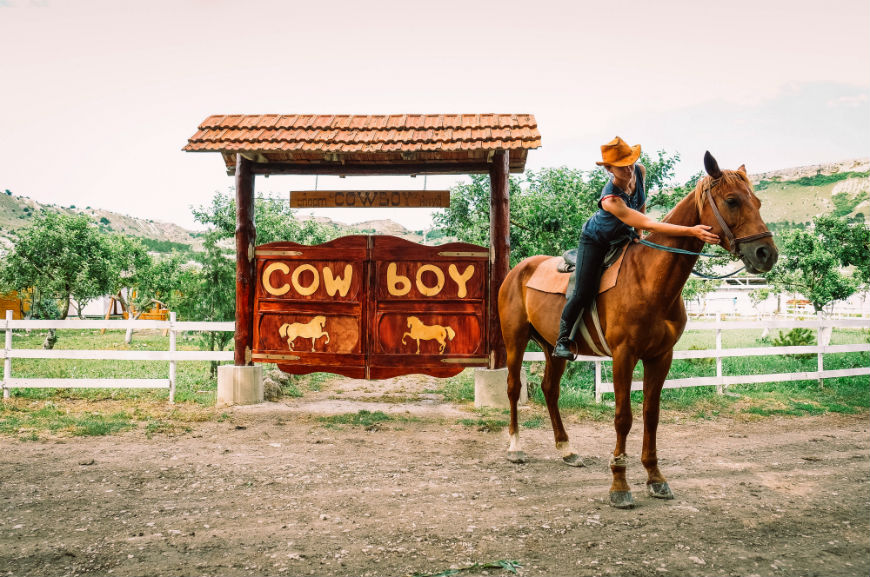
x: 573, y: 460
x: 517, y: 457
x: 659, y: 490
x: 621, y: 500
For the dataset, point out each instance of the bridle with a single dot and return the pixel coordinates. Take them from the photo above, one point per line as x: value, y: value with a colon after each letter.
x: 733, y: 243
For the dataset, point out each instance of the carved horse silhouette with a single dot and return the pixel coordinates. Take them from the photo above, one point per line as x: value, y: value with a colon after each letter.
x: 313, y: 330
x: 642, y: 317
x: 420, y: 331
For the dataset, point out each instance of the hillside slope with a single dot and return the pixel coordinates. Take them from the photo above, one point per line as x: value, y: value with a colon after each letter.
x: 792, y: 195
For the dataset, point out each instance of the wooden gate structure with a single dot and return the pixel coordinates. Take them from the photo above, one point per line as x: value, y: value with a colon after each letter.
x: 374, y: 145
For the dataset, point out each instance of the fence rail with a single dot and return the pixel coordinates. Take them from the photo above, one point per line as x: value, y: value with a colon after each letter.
x: 173, y: 355
x: 721, y: 381
x: 822, y: 326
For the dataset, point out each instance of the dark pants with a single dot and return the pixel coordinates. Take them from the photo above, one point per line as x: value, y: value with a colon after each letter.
x: 587, y: 275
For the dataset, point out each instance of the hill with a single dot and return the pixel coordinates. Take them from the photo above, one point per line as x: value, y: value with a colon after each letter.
x: 16, y: 213
x: 797, y: 195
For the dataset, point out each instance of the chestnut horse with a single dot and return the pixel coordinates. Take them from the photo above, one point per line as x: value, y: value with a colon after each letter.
x: 642, y: 317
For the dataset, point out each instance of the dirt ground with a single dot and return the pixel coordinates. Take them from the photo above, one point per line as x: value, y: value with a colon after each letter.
x: 275, y: 490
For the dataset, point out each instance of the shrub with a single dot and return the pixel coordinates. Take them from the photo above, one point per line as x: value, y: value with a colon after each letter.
x: 797, y: 337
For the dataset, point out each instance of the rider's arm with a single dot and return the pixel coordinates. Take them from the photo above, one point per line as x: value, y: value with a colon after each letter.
x: 617, y: 207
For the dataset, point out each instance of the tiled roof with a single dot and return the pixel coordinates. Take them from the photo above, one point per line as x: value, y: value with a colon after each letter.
x: 367, y: 138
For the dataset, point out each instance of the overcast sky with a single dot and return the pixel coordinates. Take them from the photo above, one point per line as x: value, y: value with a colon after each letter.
x: 97, y: 98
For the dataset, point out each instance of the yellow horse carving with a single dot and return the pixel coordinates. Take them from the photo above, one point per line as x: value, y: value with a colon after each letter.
x: 419, y: 332
x: 311, y: 330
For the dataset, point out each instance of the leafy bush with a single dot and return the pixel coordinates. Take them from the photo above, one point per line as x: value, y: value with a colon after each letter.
x: 797, y: 337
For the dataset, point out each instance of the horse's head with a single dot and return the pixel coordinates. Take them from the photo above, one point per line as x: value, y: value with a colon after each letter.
x: 727, y: 203
x: 413, y: 321
x: 320, y: 320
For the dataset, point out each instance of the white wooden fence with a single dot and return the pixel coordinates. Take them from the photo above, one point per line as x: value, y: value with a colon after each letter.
x: 822, y: 326
x: 172, y: 355
x: 823, y: 329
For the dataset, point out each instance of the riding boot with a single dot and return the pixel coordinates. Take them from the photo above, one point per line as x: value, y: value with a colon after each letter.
x: 562, y: 349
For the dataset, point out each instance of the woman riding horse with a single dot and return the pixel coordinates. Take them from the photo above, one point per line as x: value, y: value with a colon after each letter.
x: 643, y: 315
x: 621, y: 206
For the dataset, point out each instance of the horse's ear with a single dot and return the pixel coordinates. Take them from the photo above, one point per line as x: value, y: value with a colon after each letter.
x: 711, y: 166
x: 742, y: 168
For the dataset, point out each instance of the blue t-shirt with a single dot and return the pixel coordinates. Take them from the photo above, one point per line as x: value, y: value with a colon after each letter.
x: 603, y: 227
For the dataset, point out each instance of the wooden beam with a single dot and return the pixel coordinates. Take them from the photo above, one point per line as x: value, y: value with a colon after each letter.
x: 246, y: 235
x: 478, y: 167
x: 369, y: 198
x: 499, y: 255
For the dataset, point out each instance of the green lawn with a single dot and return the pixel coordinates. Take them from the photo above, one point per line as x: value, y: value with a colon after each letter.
x: 34, y: 412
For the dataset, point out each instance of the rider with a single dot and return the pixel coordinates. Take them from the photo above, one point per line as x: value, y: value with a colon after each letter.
x: 621, y: 206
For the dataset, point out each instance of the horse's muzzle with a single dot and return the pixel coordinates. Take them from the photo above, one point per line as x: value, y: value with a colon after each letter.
x: 759, y: 256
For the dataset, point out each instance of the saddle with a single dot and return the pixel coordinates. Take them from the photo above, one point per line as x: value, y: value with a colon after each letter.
x: 554, y: 274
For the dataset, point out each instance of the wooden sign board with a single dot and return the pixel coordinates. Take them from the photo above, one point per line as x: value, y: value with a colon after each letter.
x: 369, y: 198
x: 371, y: 307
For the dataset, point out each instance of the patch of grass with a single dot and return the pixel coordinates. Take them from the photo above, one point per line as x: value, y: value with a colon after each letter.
x: 160, y: 426
x: 485, y: 424
x: 52, y: 419
x: 459, y: 388
x: 535, y: 422
x: 362, y: 418
x: 509, y: 566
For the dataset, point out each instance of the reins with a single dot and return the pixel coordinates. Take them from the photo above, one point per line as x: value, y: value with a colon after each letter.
x: 733, y: 243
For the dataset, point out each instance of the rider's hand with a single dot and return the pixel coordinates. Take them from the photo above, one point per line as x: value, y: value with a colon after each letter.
x: 702, y: 231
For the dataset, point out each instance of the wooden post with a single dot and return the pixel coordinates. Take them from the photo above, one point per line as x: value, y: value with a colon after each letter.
x: 500, y: 246
x: 246, y: 234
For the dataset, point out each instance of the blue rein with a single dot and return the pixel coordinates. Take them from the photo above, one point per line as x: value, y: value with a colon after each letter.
x: 689, y: 252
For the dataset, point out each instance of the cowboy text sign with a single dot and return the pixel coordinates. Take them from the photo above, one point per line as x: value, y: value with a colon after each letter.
x: 370, y: 198
x: 371, y: 307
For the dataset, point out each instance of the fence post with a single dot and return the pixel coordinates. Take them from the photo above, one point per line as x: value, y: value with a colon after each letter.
x: 597, y: 381
x: 172, y: 362
x: 819, y: 338
x: 7, y: 361
x: 720, y: 387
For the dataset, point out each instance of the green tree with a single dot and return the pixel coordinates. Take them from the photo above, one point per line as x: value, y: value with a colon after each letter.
x: 812, y: 261
x: 207, y: 291
x: 59, y: 257
x: 62, y: 257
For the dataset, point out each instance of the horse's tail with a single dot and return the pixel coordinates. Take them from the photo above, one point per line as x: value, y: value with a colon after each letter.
x: 283, y: 330
x: 450, y: 333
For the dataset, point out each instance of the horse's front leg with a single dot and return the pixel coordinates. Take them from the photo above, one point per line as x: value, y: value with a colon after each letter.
x: 515, y: 351
x: 655, y: 371
x: 623, y: 367
x: 550, y: 384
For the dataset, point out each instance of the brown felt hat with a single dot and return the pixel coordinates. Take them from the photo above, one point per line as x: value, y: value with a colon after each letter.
x: 617, y: 152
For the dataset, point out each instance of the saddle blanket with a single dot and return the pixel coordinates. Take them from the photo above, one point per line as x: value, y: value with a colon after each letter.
x: 548, y: 279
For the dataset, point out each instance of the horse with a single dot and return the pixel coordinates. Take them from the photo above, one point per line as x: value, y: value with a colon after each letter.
x: 642, y: 317
x: 313, y: 330
x: 420, y: 331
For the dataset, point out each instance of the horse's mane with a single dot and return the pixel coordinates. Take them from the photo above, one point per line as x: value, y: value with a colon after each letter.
x: 729, y: 177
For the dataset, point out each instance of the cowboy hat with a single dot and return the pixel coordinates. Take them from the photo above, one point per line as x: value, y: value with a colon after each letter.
x: 617, y: 152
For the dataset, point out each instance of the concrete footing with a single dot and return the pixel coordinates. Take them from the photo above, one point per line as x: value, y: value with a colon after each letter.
x: 490, y: 388
x: 239, y: 385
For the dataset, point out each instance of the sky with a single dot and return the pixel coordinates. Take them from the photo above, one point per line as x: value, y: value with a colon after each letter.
x: 97, y: 98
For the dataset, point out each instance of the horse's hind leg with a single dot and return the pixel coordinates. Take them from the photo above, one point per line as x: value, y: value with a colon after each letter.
x: 654, y: 373
x: 623, y: 367
x: 550, y: 387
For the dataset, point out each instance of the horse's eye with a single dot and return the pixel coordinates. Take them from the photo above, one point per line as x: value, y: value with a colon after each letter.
x: 732, y: 202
